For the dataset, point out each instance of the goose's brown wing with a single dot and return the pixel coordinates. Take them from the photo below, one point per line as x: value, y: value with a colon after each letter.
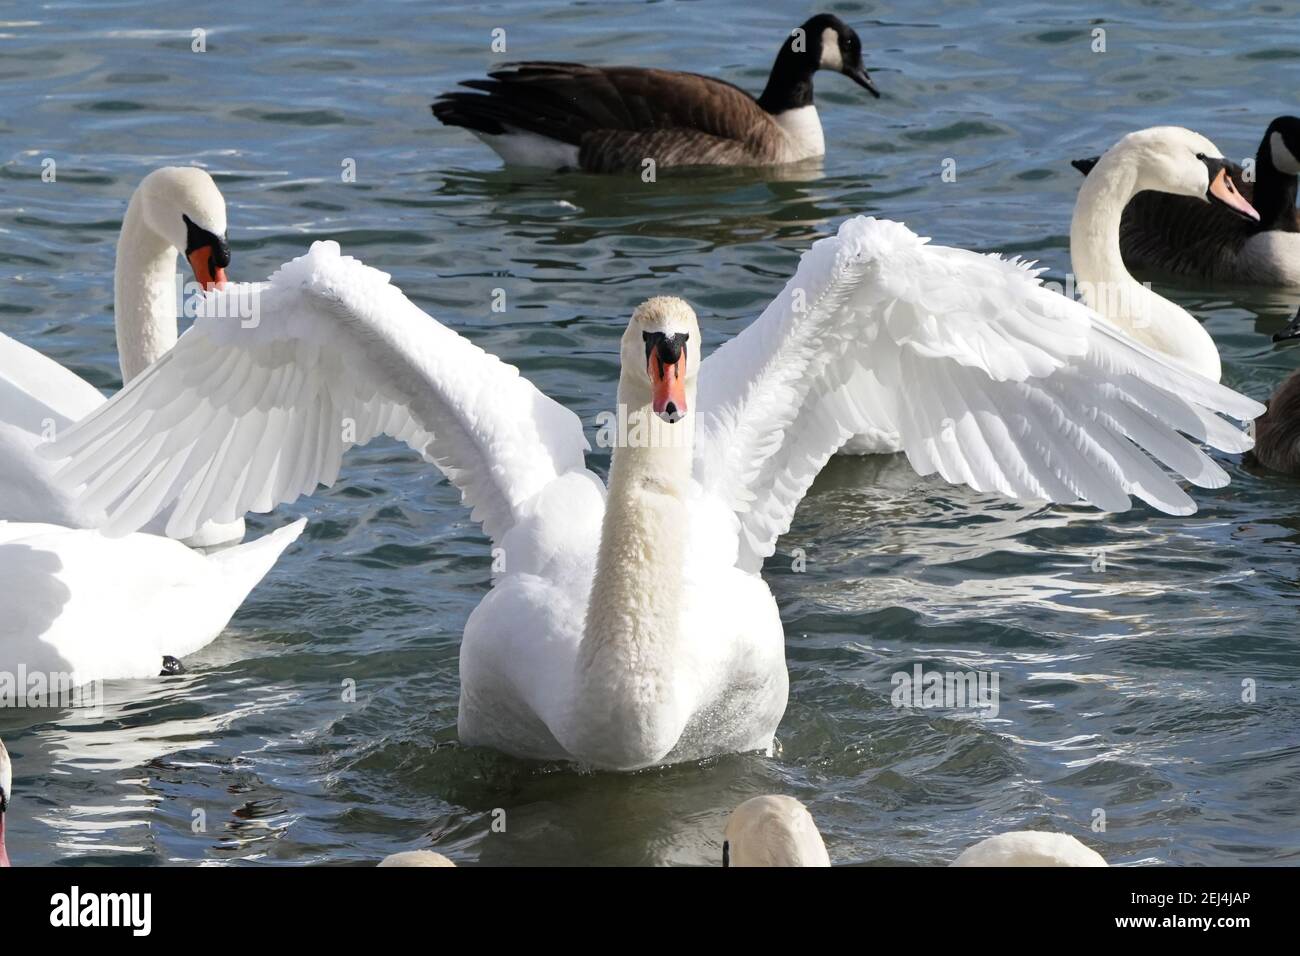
x: 617, y: 116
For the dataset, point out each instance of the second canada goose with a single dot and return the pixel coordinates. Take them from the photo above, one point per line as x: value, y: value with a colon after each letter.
x: 1181, y: 236
x: 1277, y: 431
x: 609, y: 119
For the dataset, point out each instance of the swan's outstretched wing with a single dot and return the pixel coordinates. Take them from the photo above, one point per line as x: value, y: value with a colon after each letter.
x: 965, y: 362
x: 245, y: 413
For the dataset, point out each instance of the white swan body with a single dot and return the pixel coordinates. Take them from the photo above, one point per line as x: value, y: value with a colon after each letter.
x: 173, y: 209
x: 628, y: 627
x: 1029, y: 848
x: 74, y: 602
x: 1165, y: 159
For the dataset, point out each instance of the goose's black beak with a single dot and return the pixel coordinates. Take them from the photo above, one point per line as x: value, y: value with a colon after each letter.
x: 1292, y: 330
x: 859, y: 75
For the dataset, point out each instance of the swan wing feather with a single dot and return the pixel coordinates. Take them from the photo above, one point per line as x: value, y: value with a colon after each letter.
x: 244, y: 414
x: 968, y: 364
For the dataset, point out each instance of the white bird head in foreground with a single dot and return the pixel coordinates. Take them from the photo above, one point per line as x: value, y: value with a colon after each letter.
x: 773, y: 831
x: 1029, y: 848
x: 416, y: 858
x: 779, y: 831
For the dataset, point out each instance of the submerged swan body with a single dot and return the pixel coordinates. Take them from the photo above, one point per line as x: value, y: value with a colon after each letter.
x: 629, y: 625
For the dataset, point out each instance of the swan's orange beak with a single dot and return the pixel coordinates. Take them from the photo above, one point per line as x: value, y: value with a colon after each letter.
x: 206, y: 272
x: 1224, y: 190
x: 668, y: 385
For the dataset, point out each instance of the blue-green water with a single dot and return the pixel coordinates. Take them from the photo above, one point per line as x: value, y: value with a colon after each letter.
x: 1121, y: 690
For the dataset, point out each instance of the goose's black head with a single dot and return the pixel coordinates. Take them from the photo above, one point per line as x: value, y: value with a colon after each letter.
x: 823, y: 42
x: 1282, y: 144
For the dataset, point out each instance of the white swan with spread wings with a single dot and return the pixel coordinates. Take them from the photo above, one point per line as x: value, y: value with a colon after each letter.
x: 630, y: 625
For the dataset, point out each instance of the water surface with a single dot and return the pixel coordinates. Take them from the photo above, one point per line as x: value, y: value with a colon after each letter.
x: 1120, y: 690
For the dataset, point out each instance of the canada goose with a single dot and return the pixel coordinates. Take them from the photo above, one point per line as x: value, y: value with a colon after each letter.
x: 652, y: 635
x: 777, y: 830
x: 1181, y: 236
x: 1277, y: 431
x: 607, y: 119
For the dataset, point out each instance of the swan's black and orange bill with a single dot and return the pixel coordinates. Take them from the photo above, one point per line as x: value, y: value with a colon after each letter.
x: 1224, y: 191
x: 208, y: 255
x: 665, y: 357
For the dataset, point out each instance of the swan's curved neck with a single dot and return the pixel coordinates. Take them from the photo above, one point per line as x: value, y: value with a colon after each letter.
x: 144, y: 293
x: 625, y: 683
x: 1104, y: 282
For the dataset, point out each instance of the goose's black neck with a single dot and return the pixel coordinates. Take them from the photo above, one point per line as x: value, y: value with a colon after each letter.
x: 1275, y: 191
x: 790, y: 84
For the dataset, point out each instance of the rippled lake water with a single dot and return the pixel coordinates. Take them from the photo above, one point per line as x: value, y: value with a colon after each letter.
x: 1121, y: 690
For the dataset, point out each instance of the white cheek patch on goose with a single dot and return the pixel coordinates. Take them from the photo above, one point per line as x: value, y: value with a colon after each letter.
x: 831, y: 59
x: 1283, y: 158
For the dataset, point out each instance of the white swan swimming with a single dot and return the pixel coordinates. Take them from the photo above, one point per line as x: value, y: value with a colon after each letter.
x: 174, y: 208
x: 1167, y: 159
x: 629, y: 627
x: 774, y: 830
x: 77, y: 606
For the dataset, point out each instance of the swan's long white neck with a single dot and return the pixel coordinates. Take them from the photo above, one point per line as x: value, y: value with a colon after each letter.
x: 144, y: 293
x: 625, y: 681
x: 1104, y: 281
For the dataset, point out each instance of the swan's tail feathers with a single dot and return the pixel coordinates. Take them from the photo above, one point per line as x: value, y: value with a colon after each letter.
x: 244, y: 565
